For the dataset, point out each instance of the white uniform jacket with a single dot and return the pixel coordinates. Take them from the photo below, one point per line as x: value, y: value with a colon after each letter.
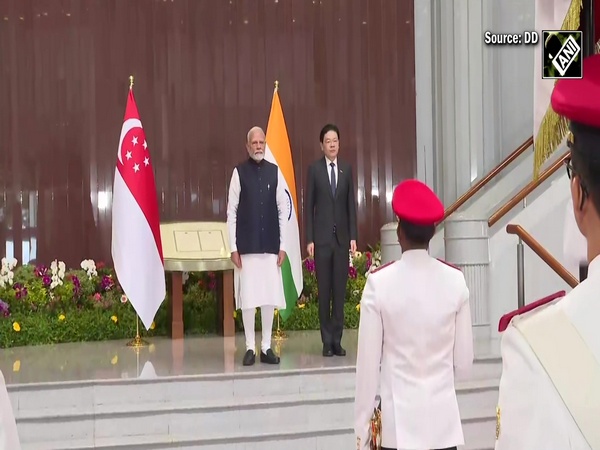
x: 531, y: 412
x: 9, y: 437
x: 414, y: 333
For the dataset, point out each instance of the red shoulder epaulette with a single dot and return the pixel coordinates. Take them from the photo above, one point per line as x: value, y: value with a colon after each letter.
x: 381, y: 267
x: 506, y: 318
x: 448, y: 264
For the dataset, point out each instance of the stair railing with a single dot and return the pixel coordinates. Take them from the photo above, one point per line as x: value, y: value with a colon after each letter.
x: 523, y: 193
x: 489, y: 177
x: 536, y: 247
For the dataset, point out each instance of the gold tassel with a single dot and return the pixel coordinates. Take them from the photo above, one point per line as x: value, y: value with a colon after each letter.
x: 553, y: 127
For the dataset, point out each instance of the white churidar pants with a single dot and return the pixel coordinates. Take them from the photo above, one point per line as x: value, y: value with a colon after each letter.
x: 258, y: 284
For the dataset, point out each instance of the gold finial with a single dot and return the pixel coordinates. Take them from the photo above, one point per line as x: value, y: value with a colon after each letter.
x: 276, y: 85
x: 130, y: 81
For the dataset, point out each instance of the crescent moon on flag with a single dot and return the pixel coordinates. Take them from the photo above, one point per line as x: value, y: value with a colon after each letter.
x: 128, y: 125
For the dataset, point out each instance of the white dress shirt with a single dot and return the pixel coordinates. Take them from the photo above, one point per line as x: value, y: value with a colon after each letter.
x: 335, y: 170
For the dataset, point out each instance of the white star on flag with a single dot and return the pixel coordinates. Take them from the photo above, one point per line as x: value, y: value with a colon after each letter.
x: 145, y: 145
x: 134, y: 140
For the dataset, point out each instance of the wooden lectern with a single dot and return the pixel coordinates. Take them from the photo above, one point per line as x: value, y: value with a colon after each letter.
x: 198, y: 247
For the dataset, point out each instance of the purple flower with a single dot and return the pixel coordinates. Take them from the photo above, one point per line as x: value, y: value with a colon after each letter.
x: 352, y: 272
x: 212, y: 285
x: 20, y: 290
x: 107, y: 283
x: 76, y: 285
x: 369, y: 260
x: 46, y: 280
x: 41, y: 271
x: 309, y: 264
x: 4, y: 308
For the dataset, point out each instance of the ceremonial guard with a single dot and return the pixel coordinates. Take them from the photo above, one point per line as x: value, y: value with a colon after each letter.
x: 256, y: 212
x: 9, y: 436
x: 415, y: 335
x: 550, y: 387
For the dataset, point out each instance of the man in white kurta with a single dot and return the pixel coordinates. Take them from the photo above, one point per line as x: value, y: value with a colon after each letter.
x: 256, y: 213
x: 414, y: 336
x: 550, y: 387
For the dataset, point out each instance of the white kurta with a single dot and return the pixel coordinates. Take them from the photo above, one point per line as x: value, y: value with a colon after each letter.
x: 413, y: 337
x: 258, y: 282
x: 533, y: 414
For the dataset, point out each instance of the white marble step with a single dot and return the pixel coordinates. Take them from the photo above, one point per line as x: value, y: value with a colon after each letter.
x: 90, y: 395
x: 205, y: 419
x: 478, y: 436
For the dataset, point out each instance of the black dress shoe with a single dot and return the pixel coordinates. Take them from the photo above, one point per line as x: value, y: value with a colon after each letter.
x: 338, y: 350
x: 327, y: 351
x: 269, y: 357
x: 249, y: 358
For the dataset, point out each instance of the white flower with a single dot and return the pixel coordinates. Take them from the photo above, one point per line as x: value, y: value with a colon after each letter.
x: 6, y: 273
x: 90, y: 267
x: 58, y: 273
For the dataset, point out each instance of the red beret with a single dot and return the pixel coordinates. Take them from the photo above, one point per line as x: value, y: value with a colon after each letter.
x: 578, y: 100
x: 415, y: 202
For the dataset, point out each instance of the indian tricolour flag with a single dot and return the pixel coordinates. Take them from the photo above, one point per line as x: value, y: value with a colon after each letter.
x: 279, y: 152
x: 549, y: 129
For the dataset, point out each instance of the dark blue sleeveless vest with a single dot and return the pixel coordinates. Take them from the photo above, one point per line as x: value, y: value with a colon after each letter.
x: 257, y: 226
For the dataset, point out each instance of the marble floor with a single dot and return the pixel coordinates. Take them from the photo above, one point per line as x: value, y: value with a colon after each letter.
x: 163, y: 357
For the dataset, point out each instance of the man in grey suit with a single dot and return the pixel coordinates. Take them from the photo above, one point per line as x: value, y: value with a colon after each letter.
x: 330, y: 233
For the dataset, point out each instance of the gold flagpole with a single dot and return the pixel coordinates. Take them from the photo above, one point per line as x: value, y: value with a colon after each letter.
x: 137, y: 341
x: 279, y: 334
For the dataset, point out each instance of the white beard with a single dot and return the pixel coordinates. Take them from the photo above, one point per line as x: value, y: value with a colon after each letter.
x: 258, y: 157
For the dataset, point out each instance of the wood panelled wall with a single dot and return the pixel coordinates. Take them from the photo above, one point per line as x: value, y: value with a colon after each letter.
x: 204, y: 73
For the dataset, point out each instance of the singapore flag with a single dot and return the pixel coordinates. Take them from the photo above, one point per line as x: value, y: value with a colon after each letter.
x: 136, y: 244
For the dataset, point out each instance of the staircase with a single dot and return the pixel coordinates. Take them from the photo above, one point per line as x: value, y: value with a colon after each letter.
x: 294, y: 409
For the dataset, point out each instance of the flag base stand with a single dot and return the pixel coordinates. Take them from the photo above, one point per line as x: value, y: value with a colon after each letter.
x: 137, y: 341
x: 279, y: 335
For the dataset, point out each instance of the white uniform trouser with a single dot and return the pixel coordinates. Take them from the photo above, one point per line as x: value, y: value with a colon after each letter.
x: 266, y: 313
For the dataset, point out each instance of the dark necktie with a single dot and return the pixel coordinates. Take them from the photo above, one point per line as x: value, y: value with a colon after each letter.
x: 333, y: 183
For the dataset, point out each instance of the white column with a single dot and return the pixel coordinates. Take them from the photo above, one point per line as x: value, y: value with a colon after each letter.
x: 452, y: 83
x: 390, y: 248
x: 424, y: 83
x: 467, y: 247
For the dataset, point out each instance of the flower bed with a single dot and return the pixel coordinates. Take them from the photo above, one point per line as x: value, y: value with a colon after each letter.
x: 43, y: 305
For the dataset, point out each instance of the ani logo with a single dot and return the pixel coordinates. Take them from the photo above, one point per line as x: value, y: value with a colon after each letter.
x: 289, y: 197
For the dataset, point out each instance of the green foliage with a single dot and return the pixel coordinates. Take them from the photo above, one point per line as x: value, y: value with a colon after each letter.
x: 41, y: 305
